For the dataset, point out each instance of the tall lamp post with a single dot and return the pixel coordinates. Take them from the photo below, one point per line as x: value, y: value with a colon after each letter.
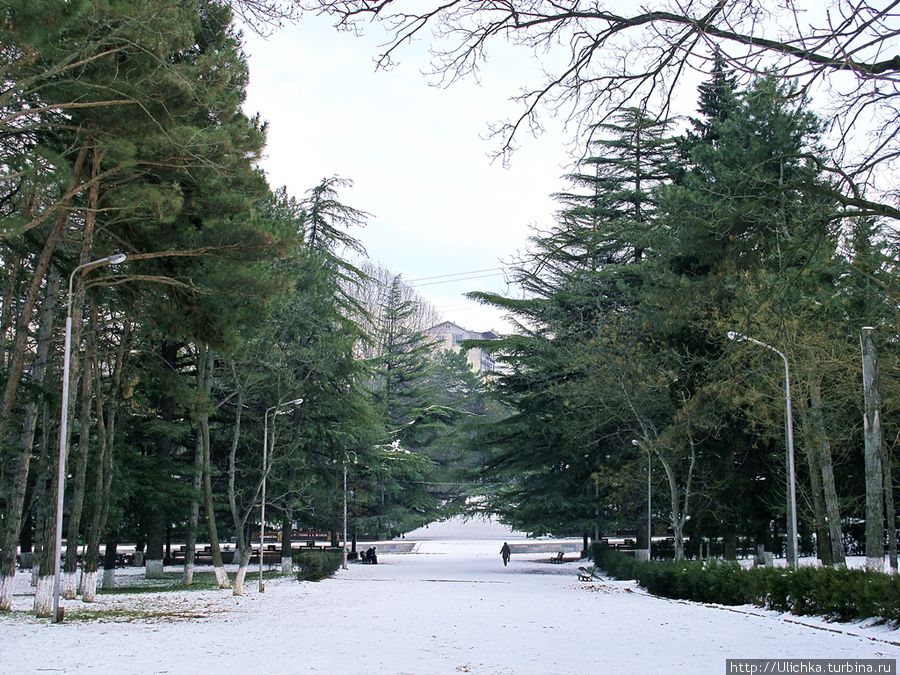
x: 265, y: 473
x: 637, y: 443
x: 344, y: 547
x: 114, y: 259
x: 792, y: 553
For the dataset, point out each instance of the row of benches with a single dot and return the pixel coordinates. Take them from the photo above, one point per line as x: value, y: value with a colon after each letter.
x: 25, y: 561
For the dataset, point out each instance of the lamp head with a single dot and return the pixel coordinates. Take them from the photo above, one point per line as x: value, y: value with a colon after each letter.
x: 732, y: 335
x: 296, y: 401
x: 635, y: 442
x: 116, y: 258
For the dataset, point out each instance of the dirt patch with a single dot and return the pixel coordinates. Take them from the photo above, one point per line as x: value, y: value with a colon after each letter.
x: 605, y: 589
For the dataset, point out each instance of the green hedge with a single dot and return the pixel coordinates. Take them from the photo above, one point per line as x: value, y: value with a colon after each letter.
x: 317, y: 566
x: 837, y: 594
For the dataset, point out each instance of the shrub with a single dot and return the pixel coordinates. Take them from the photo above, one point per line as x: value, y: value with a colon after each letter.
x: 837, y: 594
x: 317, y: 566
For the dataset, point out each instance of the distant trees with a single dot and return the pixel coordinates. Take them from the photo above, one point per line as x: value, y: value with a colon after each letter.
x: 621, y: 338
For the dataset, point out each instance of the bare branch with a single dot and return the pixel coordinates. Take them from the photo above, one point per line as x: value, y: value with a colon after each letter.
x: 849, y: 58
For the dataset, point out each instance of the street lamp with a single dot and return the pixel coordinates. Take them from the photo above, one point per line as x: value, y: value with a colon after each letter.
x: 637, y: 443
x: 344, y: 547
x: 114, y: 259
x: 792, y: 554
x: 265, y: 473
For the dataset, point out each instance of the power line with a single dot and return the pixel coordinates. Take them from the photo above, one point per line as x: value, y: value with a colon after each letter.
x: 456, y: 274
x: 459, y: 305
x: 451, y: 281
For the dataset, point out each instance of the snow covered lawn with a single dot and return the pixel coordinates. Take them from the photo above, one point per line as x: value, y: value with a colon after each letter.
x: 448, y: 607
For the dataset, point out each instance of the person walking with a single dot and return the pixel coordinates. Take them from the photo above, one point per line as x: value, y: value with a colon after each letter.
x: 504, y: 553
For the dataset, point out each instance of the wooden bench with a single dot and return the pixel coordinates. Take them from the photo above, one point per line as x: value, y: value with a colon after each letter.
x: 558, y: 558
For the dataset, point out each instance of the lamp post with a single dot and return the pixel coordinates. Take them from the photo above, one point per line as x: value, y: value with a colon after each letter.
x: 344, y: 547
x: 793, y: 557
x: 114, y: 259
x: 265, y: 473
x: 637, y: 443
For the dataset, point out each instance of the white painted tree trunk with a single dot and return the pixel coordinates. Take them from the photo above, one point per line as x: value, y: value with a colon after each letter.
x: 287, y: 566
x: 34, y: 574
x: 69, y: 583
x: 187, y: 577
x: 109, y: 579
x: 154, y: 569
x: 89, y: 587
x: 43, y: 597
x: 872, y: 437
x: 222, y: 577
x: 6, y: 589
x: 239, y: 580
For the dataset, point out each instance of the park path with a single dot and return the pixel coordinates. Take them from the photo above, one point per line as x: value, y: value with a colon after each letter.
x: 447, y: 607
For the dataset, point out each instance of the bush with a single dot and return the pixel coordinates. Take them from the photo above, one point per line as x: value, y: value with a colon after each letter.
x: 317, y: 566
x: 837, y: 594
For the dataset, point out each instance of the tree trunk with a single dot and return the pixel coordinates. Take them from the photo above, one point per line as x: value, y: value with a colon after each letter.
x: 730, y: 545
x: 104, y: 461
x: 242, y: 571
x: 13, y: 265
x: 679, y: 498
x: 243, y: 544
x: 890, y: 515
x: 190, y: 546
x: 873, y: 453
x: 810, y: 445
x: 157, y: 519
x: 287, y: 559
x: 43, y: 598
x: 829, y: 490
x: 39, y: 503
x: 80, y: 463
x: 675, y: 505
x: 204, y: 379
x: 101, y: 497
x: 19, y: 347
x: 109, y: 562
x: 80, y: 460
x: 18, y: 480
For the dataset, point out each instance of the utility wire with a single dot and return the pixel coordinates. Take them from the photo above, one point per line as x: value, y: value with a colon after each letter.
x: 456, y: 274
x: 450, y: 281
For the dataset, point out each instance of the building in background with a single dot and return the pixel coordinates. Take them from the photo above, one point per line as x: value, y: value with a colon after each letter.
x: 449, y: 336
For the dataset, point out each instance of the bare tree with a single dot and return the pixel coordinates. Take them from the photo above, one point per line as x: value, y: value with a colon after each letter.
x: 600, y: 56
x: 371, y: 296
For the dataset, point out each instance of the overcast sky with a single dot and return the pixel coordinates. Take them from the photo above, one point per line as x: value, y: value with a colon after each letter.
x: 417, y: 154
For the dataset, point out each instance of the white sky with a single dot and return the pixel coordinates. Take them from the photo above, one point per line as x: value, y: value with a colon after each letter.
x: 417, y: 155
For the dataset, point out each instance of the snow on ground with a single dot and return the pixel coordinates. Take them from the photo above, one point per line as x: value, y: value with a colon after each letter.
x: 449, y: 606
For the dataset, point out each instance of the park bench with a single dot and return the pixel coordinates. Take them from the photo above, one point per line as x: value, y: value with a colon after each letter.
x: 558, y: 558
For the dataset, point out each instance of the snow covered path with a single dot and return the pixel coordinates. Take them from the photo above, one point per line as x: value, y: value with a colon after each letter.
x: 449, y: 607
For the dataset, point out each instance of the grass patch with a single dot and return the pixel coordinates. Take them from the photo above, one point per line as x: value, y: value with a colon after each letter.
x: 171, y: 582
x: 109, y: 614
x: 122, y: 615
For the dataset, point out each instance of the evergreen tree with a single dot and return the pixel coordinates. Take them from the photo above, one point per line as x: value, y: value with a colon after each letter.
x: 579, y: 277
x: 746, y: 213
